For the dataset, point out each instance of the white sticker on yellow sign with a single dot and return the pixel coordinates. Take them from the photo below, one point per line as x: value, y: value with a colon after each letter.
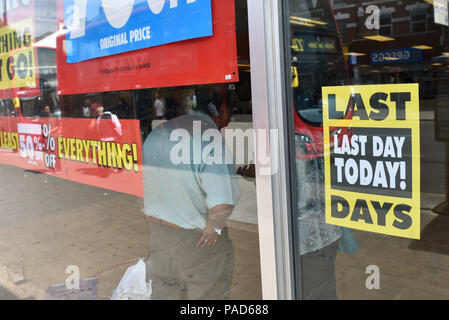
x: 372, y: 158
x: 17, y: 61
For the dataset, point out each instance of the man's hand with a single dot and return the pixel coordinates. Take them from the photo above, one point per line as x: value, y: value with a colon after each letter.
x: 216, y: 219
x: 210, y: 236
x: 247, y: 171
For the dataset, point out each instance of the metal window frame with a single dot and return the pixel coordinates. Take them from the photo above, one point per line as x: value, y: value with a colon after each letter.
x: 274, y: 193
x: 425, y: 20
x: 390, y: 16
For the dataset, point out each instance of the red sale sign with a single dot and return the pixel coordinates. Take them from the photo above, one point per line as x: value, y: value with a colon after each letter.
x: 105, y: 153
x: 211, y: 59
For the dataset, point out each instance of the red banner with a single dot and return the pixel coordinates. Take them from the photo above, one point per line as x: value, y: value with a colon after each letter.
x: 105, y: 153
x: 198, y: 61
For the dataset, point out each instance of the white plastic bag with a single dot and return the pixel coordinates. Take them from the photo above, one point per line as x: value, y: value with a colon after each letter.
x: 133, y: 285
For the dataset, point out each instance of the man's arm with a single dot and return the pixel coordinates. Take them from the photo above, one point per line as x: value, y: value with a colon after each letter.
x: 216, y: 220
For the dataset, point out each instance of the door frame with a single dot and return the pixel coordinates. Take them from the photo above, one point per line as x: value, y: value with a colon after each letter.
x: 274, y: 192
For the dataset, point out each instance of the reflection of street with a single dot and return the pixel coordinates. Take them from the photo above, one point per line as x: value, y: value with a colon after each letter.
x: 433, y: 161
x: 47, y: 224
x: 410, y: 269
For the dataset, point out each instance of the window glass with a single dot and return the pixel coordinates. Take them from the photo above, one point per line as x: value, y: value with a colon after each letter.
x: 370, y: 133
x: 126, y: 151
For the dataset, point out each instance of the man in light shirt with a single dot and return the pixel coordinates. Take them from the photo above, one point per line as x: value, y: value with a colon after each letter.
x: 159, y: 107
x: 188, y: 202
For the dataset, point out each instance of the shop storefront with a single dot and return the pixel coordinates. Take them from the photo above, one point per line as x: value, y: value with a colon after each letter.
x: 224, y: 149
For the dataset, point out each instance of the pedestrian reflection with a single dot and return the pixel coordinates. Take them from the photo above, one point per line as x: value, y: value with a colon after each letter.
x: 106, y: 124
x: 319, y: 242
x: 46, y: 111
x: 188, y: 202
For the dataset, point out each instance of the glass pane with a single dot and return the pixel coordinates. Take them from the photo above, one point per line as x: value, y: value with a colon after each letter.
x: 371, y: 142
x: 124, y: 151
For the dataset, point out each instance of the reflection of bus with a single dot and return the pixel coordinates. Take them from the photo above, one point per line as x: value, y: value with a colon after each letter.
x: 317, y: 61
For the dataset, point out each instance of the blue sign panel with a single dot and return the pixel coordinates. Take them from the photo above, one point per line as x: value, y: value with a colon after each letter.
x: 396, y: 56
x: 99, y: 28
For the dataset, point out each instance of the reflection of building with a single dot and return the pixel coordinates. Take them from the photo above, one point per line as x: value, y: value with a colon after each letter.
x: 402, y: 49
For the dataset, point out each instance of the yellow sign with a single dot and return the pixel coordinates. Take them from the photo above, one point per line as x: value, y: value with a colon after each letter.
x: 372, y: 158
x: 295, y: 77
x: 17, y: 61
x: 312, y: 44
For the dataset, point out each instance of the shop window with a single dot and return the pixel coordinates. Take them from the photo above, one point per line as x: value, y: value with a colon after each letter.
x: 418, y: 22
x: 415, y: 62
x: 201, y: 80
x: 386, y: 27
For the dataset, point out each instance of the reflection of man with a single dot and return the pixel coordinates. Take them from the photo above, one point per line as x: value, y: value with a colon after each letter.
x: 109, y: 130
x: 191, y: 256
x: 159, y: 107
x: 46, y: 111
x: 87, y: 108
x: 318, y: 243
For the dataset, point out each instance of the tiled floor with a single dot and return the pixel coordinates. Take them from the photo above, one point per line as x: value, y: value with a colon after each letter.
x: 47, y: 224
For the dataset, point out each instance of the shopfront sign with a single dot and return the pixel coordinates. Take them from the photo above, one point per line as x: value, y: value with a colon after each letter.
x: 103, y: 28
x: 18, y: 63
x: 372, y: 167
x: 396, y: 56
x: 200, y: 60
x: 303, y: 42
x: 102, y: 153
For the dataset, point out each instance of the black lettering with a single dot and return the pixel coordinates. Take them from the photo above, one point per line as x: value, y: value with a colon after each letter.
x: 333, y: 113
x: 22, y: 66
x: 9, y: 68
x: 335, y: 202
x: 381, y: 211
x: 400, y: 98
x: 359, y: 107
x: 27, y: 37
x: 30, y: 60
x: 17, y: 40
x: 400, y: 213
x: 382, y: 108
x: 5, y: 43
x: 361, y: 212
x: 11, y: 44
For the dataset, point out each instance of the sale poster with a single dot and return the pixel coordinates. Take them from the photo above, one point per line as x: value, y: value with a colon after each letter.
x: 18, y: 52
x: 372, y: 167
x: 110, y: 27
x: 98, y: 152
x: 208, y: 53
x: 17, y: 62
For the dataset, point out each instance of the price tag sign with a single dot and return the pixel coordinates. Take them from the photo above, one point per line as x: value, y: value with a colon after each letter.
x: 30, y: 142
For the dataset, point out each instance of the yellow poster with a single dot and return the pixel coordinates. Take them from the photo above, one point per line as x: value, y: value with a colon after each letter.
x: 17, y: 60
x: 372, y: 158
